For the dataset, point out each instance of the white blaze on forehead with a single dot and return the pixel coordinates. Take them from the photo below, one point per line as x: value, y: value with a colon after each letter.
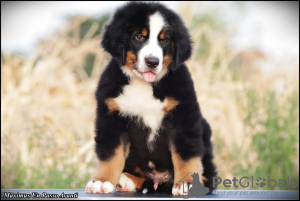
x: 152, y: 47
x: 156, y: 23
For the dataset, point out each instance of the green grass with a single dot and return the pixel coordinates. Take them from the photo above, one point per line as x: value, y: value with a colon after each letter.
x: 276, y: 143
x: 39, y: 177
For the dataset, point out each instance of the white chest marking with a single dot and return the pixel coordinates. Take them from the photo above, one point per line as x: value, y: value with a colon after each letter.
x: 137, y: 100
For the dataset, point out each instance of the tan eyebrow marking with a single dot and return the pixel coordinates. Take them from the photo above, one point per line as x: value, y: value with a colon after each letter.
x: 144, y: 32
x: 162, y: 35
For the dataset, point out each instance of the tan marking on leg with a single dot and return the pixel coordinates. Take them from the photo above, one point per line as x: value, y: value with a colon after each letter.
x: 112, y: 105
x: 130, y: 59
x: 167, y: 60
x: 144, y: 32
x: 139, y: 171
x: 171, y: 104
x: 111, y: 169
x: 204, y: 178
x: 138, y: 181
x: 182, y: 167
x: 162, y: 35
x: 127, y: 150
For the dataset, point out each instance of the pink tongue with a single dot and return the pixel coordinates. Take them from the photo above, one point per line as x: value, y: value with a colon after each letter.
x: 155, y: 185
x: 149, y: 76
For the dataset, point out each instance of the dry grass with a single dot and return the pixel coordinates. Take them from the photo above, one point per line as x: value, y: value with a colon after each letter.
x: 48, y: 105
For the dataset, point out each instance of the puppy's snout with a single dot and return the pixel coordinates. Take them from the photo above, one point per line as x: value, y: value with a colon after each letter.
x: 152, y: 62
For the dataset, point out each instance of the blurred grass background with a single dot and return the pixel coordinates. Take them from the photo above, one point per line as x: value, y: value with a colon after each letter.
x: 48, y: 105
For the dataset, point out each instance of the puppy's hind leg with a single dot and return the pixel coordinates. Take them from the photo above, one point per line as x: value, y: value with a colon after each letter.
x: 130, y: 183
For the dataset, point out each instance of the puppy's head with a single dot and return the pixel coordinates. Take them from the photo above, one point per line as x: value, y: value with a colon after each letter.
x: 147, y: 39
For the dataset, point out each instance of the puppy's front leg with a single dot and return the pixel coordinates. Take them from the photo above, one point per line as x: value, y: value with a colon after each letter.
x: 182, y: 168
x: 108, y: 172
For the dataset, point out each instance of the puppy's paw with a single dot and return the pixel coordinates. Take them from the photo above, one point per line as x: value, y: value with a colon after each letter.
x: 181, y: 188
x: 99, y: 187
x: 126, y: 184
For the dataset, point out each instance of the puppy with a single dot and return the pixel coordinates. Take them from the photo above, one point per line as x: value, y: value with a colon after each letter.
x: 150, y: 132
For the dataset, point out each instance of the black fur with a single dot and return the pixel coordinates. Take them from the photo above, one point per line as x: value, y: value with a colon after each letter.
x: 184, y: 126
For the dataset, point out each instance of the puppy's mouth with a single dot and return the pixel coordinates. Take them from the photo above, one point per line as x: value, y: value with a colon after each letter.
x: 147, y: 76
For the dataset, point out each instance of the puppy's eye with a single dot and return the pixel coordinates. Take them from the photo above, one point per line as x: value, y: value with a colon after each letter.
x: 139, y: 37
x: 163, y: 40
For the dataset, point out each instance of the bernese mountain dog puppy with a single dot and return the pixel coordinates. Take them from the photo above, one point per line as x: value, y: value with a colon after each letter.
x: 150, y: 133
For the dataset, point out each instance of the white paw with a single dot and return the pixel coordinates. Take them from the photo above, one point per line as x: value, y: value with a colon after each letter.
x: 175, y: 191
x: 145, y: 190
x: 99, y: 187
x: 127, y: 185
x: 183, y: 190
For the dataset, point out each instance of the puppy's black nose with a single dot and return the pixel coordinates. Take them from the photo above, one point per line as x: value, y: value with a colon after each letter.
x: 152, y: 62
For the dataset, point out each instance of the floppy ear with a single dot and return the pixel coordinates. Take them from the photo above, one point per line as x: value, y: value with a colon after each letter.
x: 114, y: 39
x: 182, y: 48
